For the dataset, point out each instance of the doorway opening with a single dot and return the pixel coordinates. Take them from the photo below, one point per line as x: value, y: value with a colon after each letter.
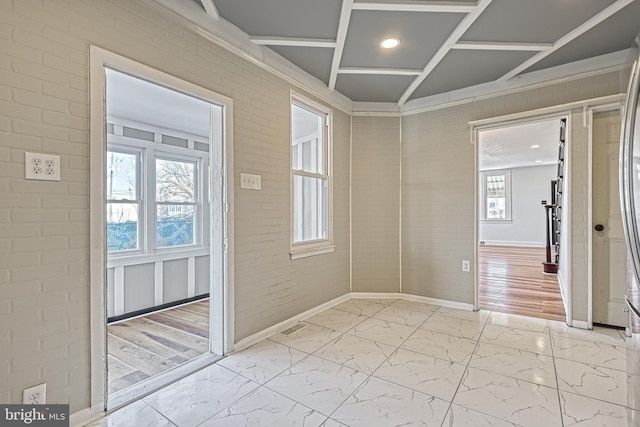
x: 518, y: 176
x: 157, y: 228
x: 161, y: 285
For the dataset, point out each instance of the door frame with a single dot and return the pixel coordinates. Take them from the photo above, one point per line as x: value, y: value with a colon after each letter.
x: 516, y: 119
x: 221, y: 315
x: 612, y: 106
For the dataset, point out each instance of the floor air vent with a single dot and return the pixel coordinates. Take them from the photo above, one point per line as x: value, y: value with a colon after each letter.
x: 294, y: 328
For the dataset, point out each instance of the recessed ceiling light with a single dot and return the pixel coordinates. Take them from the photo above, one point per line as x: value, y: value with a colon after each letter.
x: 389, y: 43
x: 535, y: 146
x: 538, y: 161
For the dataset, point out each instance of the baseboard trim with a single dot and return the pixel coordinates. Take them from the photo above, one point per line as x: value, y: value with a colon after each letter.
x: 376, y: 295
x: 285, y: 324
x: 513, y: 243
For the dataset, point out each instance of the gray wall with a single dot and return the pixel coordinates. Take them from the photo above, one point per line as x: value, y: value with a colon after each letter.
x: 438, y: 188
x: 375, y: 186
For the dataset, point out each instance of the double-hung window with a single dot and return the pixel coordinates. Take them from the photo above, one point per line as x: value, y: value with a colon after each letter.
x: 124, y: 201
x: 496, y: 187
x: 311, y: 181
x: 176, y: 202
x: 156, y: 197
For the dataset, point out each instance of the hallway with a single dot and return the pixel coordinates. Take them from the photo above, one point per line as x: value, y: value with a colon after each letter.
x: 511, y: 280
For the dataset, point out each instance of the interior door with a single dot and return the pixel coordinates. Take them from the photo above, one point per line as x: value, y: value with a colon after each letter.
x: 609, y: 251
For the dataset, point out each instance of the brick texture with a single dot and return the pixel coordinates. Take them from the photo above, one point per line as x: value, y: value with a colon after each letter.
x: 44, y: 226
x: 375, y: 187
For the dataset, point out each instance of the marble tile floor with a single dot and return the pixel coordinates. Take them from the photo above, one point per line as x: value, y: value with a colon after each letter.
x: 389, y: 363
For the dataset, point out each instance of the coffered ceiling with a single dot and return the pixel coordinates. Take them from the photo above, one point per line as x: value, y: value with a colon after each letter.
x: 445, y: 46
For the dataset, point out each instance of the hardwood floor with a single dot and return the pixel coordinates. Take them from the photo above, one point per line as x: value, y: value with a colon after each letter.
x: 511, y: 281
x: 145, y: 346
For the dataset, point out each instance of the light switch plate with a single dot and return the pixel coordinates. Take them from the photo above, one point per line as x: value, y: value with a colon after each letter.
x: 250, y: 182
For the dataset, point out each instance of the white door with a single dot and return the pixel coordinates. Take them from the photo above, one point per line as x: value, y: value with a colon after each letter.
x: 609, y: 251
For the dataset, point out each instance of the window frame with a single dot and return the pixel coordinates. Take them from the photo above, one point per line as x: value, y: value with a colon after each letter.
x: 507, y: 195
x: 148, y: 152
x: 306, y: 248
x: 198, y: 226
x: 139, y: 200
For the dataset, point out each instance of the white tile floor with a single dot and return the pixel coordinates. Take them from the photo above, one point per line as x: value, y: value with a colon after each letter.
x: 403, y: 363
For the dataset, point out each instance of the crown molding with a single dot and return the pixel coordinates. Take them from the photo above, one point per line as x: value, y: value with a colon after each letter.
x: 231, y: 38
x: 612, y: 62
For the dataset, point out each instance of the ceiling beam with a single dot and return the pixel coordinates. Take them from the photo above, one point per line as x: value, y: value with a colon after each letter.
x: 569, y: 37
x: 343, y: 26
x: 502, y: 46
x: 289, y: 41
x: 414, y: 6
x: 210, y: 8
x: 444, y: 49
x: 380, y: 71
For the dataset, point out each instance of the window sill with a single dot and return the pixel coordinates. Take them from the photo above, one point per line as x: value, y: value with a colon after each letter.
x: 300, y: 253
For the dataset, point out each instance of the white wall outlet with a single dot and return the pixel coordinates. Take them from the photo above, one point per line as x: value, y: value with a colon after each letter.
x: 466, y: 265
x: 36, y: 395
x: 250, y: 182
x: 43, y: 167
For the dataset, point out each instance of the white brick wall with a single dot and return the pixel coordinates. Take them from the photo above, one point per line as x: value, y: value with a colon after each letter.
x: 44, y: 228
x: 375, y: 186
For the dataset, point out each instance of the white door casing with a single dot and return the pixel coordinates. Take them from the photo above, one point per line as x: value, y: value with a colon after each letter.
x: 221, y: 314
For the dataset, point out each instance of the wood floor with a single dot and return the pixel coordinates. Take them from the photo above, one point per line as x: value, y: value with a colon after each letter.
x: 145, y: 346
x: 511, y: 281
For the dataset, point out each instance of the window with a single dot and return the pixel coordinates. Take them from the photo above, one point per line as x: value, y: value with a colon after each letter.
x: 496, y: 196
x: 154, y: 199
x: 311, y: 229
x: 124, y: 204
x: 176, y: 202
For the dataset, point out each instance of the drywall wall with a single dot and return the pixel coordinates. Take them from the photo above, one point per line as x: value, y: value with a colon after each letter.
x: 438, y: 165
x: 529, y: 186
x: 375, y: 187
x: 44, y: 226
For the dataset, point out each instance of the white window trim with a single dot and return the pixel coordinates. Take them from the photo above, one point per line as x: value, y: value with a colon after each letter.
x: 148, y: 152
x: 140, y: 197
x: 507, y: 174
x: 198, y: 209
x: 306, y: 249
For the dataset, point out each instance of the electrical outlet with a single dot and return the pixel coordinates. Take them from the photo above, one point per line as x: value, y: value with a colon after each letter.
x: 42, y: 167
x: 36, y: 395
x: 466, y: 265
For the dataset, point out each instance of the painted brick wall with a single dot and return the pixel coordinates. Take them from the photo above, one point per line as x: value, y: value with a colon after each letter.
x: 438, y: 188
x: 44, y: 227
x: 375, y: 187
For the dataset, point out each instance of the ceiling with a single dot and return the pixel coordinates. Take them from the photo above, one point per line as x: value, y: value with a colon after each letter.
x: 522, y: 145
x: 137, y: 100
x: 445, y: 46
